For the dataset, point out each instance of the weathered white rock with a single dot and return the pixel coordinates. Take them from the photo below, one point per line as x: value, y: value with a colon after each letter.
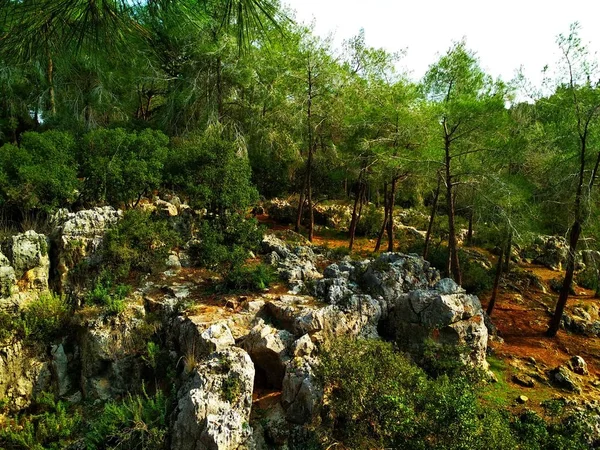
x: 301, y: 395
x: 578, y: 365
x: 23, y: 374
x: 60, y: 368
x: 213, y: 407
x: 269, y: 349
x: 199, y: 339
x: 8, y: 279
x: 110, y: 347
x: 28, y: 255
x: 78, y: 237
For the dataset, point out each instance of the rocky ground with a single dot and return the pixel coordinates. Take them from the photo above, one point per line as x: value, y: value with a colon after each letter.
x: 245, y: 364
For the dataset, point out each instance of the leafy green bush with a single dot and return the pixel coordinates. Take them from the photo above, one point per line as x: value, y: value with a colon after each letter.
x: 212, y: 172
x: 370, y: 221
x: 249, y: 277
x: 137, y: 422
x: 220, y: 245
x: 45, y: 318
x: 40, y: 173
x: 475, y: 278
x: 139, y: 242
x: 120, y: 166
x: 376, y: 398
x: 107, y: 294
x: 589, y: 279
x: 49, y: 426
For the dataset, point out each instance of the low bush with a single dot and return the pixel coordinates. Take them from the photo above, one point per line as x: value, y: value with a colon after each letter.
x: 45, y: 318
x: 218, y: 245
x: 49, y: 425
x: 370, y: 221
x: 140, y: 242
x: 376, y: 398
x: 249, y: 277
x: 137, y: 422
x: 107, y: 294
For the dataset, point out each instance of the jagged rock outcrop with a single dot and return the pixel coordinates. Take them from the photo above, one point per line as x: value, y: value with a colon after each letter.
x: 23, y: 374
x: 197, y: 339
x: 8, y: 280
x: 28, y: 255
x: 110, y: 347
x: 270, y: 350
x: 301, y: 394
x: 294, y: 265
x: 213, y: 407
x: 77, y: 238
x: 446, y: 314
x: 548, y: 251
x: 281, y: 210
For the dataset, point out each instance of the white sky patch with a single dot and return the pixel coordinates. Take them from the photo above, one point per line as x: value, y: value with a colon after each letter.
x: 505, y: 35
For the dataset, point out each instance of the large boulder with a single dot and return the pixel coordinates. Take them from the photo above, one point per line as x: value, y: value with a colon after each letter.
x: 213, y: 407
x: 270, y: 350
x: 110, y: 352
x: 23, y: 374
x: 296, y: 265
x: 301, y: 395
x: 548, y: 251
x: 8, y: 279
x: 28, y: 255
x: 281, y: 210
x: 78, y: 236
x: 445, y: 314
x: 197, y: 339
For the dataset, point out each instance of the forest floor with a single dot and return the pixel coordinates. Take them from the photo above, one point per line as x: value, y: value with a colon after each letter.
x: 521, y: 315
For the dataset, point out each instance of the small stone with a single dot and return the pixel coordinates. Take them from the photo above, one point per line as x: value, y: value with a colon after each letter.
x: 522, y: 399
x: 523, y: 380
x: 578, y: 365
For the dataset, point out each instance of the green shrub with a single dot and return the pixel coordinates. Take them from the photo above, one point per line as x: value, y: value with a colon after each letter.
x: 49, y: 426
x: 45, y: 318
x: 140, y: 242
x: 475, y: 278
x: 376, y: 398
x: 40, y: 173
x: 107, y: 294
x: 212, y: 172
x: 219, y: 244
x: 370, y: 221
x: 120, y: 166
x: 137, y: 422
x: 249, y: 277
x: 589, y: 279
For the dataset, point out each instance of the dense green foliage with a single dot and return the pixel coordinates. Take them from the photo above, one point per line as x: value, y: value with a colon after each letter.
x: 50, y: 425
x: 137, y: 422
x: 377, y: 398
x: 140, y: 242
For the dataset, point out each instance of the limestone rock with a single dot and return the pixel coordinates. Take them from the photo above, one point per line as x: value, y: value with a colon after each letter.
x: 448, y: 316
x: 294, y: 265
x: 110, y: 348
x: 8, y: 279
x: 213, y: 407
x: 301, y: 395
x: 23, y: 374
x: 28, y: 254
x: 269, y: 349
x: 199, y: 339
x: 578, y: 365
x: 78, y: 236
x: 563, y: 378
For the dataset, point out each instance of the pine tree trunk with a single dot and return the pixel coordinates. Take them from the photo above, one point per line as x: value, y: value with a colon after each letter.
x: 432, y: 217
x: 390, y: 223
x: 470, y: 230
x: 508, y: 251
x: 568, y: 281
x: 385, y: 218
x: 311, y: 213
x: 492, y: 303
x: 453, y: 261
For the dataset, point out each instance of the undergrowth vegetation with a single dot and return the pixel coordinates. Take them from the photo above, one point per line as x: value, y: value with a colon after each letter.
x: 377, y: 398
